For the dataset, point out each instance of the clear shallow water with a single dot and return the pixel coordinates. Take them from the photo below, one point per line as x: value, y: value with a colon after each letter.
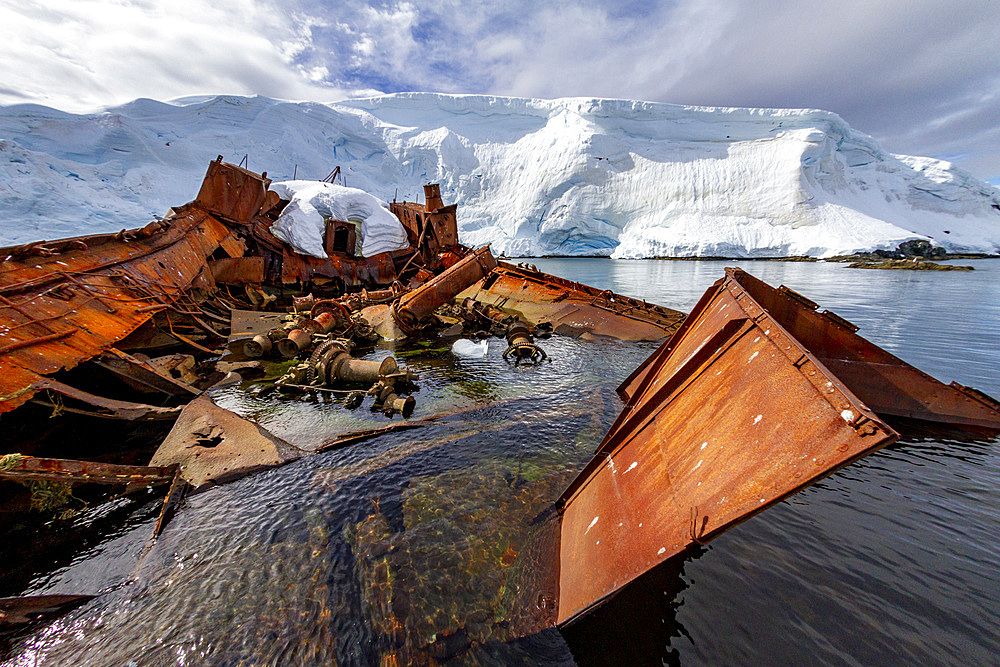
x: 438, y: 543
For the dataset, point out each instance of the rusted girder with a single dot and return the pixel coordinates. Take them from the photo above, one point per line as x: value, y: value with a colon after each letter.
x: 30, y: 468
x: 116, y: 409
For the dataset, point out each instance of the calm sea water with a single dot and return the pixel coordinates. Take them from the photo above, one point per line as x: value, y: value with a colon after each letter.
x: 438, y: 544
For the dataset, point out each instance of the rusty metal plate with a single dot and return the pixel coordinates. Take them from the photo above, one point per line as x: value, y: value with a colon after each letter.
x: 731, y: 417
x: 64, y: 307
x: 238, y: 270
x: 232, y: 192
x: 884, y: 382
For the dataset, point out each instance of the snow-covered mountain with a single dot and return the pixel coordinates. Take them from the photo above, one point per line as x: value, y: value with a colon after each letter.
x: 570, y: 176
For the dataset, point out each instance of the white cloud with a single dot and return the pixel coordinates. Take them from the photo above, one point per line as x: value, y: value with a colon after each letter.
x: 920, y: 75
x: 88, y: 53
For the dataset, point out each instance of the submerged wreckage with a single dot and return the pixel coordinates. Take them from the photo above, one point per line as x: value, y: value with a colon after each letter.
x: 753, y: 396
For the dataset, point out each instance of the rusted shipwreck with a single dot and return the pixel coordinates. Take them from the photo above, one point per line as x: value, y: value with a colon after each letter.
x: 753, y: 396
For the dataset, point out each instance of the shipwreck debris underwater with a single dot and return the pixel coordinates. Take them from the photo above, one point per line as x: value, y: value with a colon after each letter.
x: 108, y: 343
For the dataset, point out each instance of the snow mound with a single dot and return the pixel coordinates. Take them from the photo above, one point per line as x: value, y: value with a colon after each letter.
x: 302, y: 222
x: 571, y: 176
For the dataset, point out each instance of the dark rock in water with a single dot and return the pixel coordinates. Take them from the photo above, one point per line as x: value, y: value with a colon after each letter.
x: 914, y: 248
x: 921, y: 248
x: 908, y: 265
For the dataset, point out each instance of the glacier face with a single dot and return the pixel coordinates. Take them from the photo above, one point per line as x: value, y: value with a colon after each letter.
x: 571, y: 176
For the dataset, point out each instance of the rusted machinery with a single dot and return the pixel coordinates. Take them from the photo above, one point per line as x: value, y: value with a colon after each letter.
x: 331, y: 367
x: 416, y: 306
x: 521, y: 346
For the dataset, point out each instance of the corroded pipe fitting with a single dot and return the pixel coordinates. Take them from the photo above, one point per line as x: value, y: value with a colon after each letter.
x: 298, y: 340
x: 396, y: 405
x: 258, y: 346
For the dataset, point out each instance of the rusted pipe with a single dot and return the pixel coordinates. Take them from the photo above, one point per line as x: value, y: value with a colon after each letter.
x: 423, y: 301
x: 298, y: 340
x: 326, y: 322
x: 348, y: 369
x: 258, y: 346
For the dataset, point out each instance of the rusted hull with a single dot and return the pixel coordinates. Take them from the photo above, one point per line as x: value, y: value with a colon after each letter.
x: 572, y: 308
x: 59, y: 309
x: 730, y: 416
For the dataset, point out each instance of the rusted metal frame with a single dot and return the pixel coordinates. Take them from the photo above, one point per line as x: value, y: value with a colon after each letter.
x: 31, y: 468
x: 28, y: 316
x: 118, y: 409
x: 170, y: 300
x: 977, y: 395
x: 185, y: 339
x: 16, y: 345
x: 642, y: 410
x: 178, y: 488
x: 626, y: 313
x: 87, y: 288
x: 74, y: 306
x: 151, y: 289
x: 200, y: 310
x: 885, y: 383
x: 837, y: 394
x: 211, y: 331
x: 796, y: 360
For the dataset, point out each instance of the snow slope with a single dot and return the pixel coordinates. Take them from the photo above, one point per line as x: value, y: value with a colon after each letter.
x: 569, y: 176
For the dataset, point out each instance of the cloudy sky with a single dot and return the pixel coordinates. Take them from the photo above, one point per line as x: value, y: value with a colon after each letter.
x: 922, y: 76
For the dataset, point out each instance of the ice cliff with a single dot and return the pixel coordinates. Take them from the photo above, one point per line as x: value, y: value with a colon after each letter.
x: 569, y: 176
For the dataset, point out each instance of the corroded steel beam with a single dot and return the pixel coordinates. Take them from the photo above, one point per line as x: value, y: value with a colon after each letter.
x: 29, y: 468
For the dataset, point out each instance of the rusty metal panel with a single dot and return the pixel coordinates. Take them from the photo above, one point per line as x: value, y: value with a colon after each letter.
x: 231, y: 192
x: 886, y: 383
x: 238, y: 270
x: 574, y: 309
x: 62, y: 308
x: 731, y: 418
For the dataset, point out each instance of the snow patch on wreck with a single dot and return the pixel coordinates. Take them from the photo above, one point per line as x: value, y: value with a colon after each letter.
x: 302, y: 223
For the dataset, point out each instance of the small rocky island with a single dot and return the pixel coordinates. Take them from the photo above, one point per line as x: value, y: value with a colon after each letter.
x: 914, y: 255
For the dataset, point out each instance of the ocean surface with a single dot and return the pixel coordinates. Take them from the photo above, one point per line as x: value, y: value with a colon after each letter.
x: 438, y: 544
